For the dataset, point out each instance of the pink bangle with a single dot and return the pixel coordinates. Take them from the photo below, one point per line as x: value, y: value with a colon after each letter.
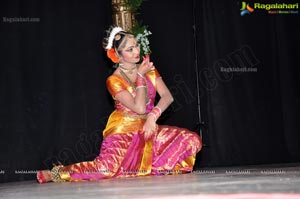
x: 159, y: 109
x: 155, y: 112
x: 140, y: 81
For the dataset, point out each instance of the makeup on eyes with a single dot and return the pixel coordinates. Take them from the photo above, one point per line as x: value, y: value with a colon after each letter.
x: 131, y: 47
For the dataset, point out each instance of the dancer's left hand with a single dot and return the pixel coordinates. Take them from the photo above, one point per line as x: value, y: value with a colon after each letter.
x: 150, y: 127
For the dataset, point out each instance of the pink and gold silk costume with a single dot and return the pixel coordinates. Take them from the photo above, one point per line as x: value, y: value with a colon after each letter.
x: 125, y: 153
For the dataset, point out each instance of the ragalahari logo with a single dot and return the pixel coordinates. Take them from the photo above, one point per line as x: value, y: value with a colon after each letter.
x: 246, y: 9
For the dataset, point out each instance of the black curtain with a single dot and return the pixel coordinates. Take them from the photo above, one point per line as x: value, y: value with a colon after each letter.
x: 54, y: 104
x: 252, y: 117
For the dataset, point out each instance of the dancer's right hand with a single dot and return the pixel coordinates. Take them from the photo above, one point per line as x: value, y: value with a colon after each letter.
x: 145, y: 66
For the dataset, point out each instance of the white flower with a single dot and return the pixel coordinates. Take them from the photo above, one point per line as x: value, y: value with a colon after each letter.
x: 144, y: 42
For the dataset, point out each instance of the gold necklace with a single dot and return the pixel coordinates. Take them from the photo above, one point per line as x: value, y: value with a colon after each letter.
x: 133, y: 85
x: 130, y: 70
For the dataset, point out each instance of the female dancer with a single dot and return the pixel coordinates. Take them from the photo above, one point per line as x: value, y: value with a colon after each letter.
x: 133, y: 145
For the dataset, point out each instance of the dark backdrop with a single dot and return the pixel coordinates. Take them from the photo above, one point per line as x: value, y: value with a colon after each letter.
x: 54, y: 104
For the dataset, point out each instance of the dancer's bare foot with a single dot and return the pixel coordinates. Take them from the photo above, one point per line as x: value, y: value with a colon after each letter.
x: 43, y: 176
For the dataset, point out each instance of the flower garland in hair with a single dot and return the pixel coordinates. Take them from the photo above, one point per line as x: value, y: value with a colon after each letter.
x: 112, y: 35
x: 111, y: 53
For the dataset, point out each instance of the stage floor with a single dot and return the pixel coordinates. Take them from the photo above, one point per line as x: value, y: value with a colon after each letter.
x: 264, y: 181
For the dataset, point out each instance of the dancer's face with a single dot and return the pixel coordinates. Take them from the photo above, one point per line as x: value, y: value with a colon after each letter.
x: 130, y: 54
